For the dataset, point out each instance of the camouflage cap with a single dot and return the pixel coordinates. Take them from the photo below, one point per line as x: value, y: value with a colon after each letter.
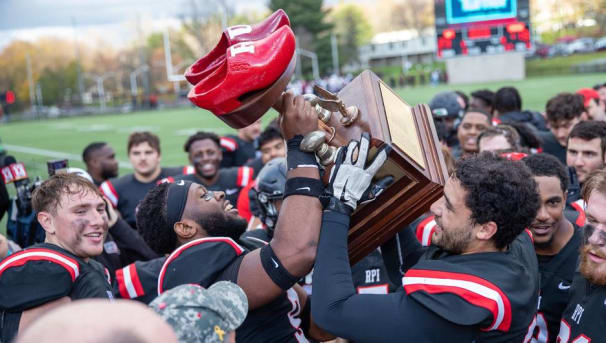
x: 203, y: 315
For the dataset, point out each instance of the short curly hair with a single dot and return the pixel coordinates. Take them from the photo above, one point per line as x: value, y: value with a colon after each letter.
x: 507, y: 99
x: 152, y: 221
x: 199, y: 136
x: 501, y: 191
x: 564, y: 106
x: 547, y: 165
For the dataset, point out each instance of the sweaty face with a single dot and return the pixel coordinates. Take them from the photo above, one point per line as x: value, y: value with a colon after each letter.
x: 561, y: 129
x: 585, y: 156
x: 470, y: 128
x: 251, y: 132
x: 107, y: 161
x: 549, y: 215
x: 272, y: 149
x: 144, y: 158
x: 454, y: 229
x: 593, y: 253
x: 80, y: 223
x: 214, y: 213
x: 494, y: 143
x: 206, y: 156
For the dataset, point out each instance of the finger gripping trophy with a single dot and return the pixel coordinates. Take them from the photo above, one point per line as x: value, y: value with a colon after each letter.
x: 246, y: 74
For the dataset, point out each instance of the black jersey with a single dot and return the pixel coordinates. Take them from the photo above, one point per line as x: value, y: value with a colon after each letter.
x: 230, y: 181
x: 276, y: 321
x: 139, y: 280
x: 236, y: 151
x: 126, y: 192
x: 481, y: 297
x: 370, y: 277
x: 584, y: 318
x: 43, y: 273
x: 556, y: 277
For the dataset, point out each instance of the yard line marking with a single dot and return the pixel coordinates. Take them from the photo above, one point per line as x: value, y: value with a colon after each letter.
x: 54, y: 154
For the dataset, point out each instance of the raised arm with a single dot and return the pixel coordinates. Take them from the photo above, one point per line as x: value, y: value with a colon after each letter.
x: 291, y: 253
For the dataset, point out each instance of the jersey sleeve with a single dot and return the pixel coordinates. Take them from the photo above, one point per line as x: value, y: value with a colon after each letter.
x: 108, y: 189
x: 245, y: 176
x: 138, y: 281
x: 36, y: 276
x: 92, y: 283
x: 458, y: 296
x: 199, y: 262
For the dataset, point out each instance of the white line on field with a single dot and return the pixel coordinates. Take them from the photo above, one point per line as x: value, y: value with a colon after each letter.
x: 54, y: 154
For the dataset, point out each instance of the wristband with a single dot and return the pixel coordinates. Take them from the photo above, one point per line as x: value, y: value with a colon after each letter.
x: 275, y: 270
x: 303, y: 186
x: 295, y: 158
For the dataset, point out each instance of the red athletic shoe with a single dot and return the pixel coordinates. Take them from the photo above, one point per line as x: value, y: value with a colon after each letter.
x: 234, y: 35
x: 248, y: 67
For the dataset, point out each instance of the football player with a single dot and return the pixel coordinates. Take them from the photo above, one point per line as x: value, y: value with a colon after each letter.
x: 204, y: 153
x: 584, y: 317
x: 477, y: 281
x: 127, y: 191
x: 100, y: 160
x: 556, y: 242
x: 72, y: 212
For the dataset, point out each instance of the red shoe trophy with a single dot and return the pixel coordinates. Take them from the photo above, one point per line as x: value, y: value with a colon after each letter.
x: 245, y: 75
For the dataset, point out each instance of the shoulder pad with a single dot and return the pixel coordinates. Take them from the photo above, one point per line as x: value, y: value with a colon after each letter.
x: 254, y: 239
x: 107, y: 188
x: 139, y: 280
x: 198, y: 262
x: 425, y: 230
x: 35, y: 276
x: 245, y: 176
x: 229, y: 144
x: 461, y: 298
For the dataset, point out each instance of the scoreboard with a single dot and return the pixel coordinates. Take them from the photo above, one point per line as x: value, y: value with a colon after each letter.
x: 479, y: 27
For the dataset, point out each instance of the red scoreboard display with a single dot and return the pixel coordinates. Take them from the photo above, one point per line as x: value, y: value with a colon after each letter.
x: 479, y: 27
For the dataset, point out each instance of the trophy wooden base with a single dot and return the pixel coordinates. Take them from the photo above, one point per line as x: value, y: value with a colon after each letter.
x: 416, y: 161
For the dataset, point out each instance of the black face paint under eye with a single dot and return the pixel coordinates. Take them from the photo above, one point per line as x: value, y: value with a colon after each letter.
x: 588, y: 231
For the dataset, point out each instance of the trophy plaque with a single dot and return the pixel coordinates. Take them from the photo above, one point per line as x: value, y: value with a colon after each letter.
x: 415, y: 162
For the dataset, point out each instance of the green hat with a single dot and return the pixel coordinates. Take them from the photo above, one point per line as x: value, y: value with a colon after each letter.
x: 204, y: 315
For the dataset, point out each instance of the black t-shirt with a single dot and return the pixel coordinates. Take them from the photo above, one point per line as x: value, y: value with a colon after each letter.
x: 43, y: 273
x: 584, y: 318
x: 557, y: 272
x: 276, y: 321
x: 230, y: 181
x: 126, y: 192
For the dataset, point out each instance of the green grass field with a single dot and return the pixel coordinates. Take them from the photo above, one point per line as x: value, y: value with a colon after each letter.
x: 35, y: 142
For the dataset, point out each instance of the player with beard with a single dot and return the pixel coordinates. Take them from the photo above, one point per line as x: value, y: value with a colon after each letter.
x: 556, y: 242
x: 465, y: 287
x: 127, y: 191
x: 198, y: 228
x: 584, y: 317
x: 100, y: 160
x: 204, y: 153
x: 72, y: 212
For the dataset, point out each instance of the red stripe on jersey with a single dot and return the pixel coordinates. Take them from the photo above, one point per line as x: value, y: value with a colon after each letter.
x: 110, y: 192
x: 41, y: 254
x: 427, y: 224
x: 581, y: 218
x: 229, y: 144
x: 168, y: 179
x: 187, y: 170
x: 121, y: 283
x: 530, y: 234
x: 471, y: 288
x: 244, y: 176
x: 182, y: 248
x: 135, y: 279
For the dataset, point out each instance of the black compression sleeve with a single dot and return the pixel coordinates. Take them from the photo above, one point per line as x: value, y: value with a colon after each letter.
x: 367, y: 317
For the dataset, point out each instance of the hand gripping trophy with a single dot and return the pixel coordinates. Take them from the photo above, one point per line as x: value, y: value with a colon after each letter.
x: 249, y: 69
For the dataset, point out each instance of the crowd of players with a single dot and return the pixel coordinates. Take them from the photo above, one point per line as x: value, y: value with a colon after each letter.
x: 515, y: 250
